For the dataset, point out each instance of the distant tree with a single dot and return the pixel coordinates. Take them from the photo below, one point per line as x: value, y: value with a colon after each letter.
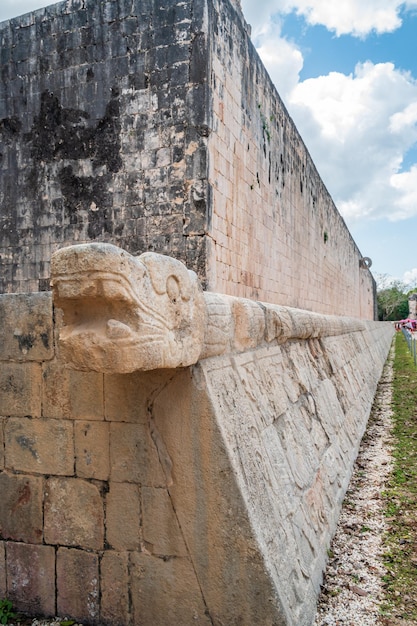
x: 383, y: 281
x: 392, y: 301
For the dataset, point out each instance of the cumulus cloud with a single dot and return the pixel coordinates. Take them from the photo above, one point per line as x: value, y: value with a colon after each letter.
x: 410, y: 278
x: 354, y: 17
x: 402, y: 120
x: 282, y: 59
x: 406, y: 185
x: 358, y: 129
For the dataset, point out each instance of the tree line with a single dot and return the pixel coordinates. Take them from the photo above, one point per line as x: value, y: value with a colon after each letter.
x: 392, y: 298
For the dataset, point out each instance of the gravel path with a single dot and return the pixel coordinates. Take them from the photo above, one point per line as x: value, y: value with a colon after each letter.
x: 352, y: 589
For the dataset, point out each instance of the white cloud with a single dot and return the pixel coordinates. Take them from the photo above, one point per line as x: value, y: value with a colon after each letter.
x: 282, y: 59
x: 355, y: 17
x: 410, y: 277
x: 358, y: 129
x: 405, y: 183
x: 402, y: 120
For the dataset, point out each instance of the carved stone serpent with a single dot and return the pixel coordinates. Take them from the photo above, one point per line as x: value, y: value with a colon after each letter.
x: 124, y: 313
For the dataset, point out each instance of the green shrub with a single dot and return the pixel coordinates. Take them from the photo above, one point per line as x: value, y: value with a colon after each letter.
x: 6, y: 611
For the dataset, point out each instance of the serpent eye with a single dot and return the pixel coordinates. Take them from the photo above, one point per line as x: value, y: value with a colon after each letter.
x: 173, y: 289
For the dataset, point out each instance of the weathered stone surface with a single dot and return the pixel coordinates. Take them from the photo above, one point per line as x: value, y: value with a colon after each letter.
x: 114, y: 571
x: 127, y: 397
x: 134, y: 456
x: 168, y: 465
x: 92, y: 450
x: 166, y: 591
x: 31, y: 578
x: 117, y: 125
x: 77, y: 576
x: 211, y: 511
x: 30, y: 442
x: 21, y: 508
x: 123, y: 313
x: 265, y: 418
x: 71, y: 394
x: 3, y: 587
x: 2, y: 422
x: 123, y: 517
x: 73, y: 513
x: 412, y: 306
x: 161, y: 532
x: 20, y: 389
x: 26, y: 332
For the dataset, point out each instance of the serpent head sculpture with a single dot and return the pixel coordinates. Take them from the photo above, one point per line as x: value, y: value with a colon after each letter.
x: 124, y: 313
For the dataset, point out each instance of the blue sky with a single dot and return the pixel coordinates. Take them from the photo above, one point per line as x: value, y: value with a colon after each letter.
x: 347, y: 72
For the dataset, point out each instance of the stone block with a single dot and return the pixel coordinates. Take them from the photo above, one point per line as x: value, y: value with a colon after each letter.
x: 280, y: 478
x: 329, y: 410
x: 31, y: 578
x: 41, y: 446
x: 127, y: 395
x: 73, y: 513
x: 114, y: 571
x: 2, y: 421
x: 262, y: 388
x: 77, y: 576
x: 71, y: 394
x: 165, y: 592
x: 21, y: 507
x: 123, y: 516
x: 92, y: 450
x: 3, y: 587
x: 134, y: 456
x: 161, y: 530
x: 20, y: 389
x: 26, y: 332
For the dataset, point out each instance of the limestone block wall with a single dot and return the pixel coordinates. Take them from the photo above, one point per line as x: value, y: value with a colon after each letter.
x: 154, y: 126
x: 276, y: 233
x: 102, y: 109
x: 199, y: 495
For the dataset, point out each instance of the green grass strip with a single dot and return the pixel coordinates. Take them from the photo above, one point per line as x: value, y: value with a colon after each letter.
x: 400, y: 542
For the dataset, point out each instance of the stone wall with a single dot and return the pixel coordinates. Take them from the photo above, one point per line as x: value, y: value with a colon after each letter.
x: 155, y: 127
x: 276, y: 233
x: 99, y: 105
x: 199, y: 495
